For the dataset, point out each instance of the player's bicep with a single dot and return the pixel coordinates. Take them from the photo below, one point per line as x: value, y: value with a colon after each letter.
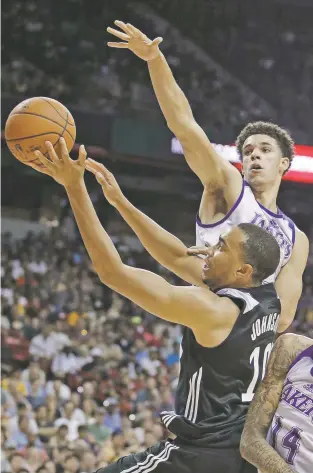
x: 192, y: 306
x: 153, y: 293
x: 289, y: 281
x: 148, y: 290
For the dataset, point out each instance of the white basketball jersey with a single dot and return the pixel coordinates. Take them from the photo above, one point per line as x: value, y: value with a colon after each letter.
x: 248, y: 210
x: 291, y: 432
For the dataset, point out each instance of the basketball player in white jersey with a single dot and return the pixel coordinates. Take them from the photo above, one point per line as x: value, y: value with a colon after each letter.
x: 278, y: 433
x: 266, y: 151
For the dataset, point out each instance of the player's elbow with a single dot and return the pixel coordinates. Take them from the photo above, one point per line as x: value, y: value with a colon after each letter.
x: 110, y: 275
x: 288, y: 309
x: 285, y: 321
x: 179, y: 125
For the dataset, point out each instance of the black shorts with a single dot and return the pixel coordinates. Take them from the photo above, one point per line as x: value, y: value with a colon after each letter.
x: 169, y: 456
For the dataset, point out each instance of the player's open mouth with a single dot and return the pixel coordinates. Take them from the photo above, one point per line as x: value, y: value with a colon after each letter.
x: 255, y: 168
x: 205, y: 266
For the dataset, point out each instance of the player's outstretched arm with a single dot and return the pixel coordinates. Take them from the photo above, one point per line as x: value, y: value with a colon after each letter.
x: 254, y: 447
x: 213, y: 171
x: 289, y: 281
x: 198, y: 308
x: 164, y: 247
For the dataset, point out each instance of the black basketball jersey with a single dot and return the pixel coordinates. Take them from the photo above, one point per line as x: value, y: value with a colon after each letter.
x: 217, y: 384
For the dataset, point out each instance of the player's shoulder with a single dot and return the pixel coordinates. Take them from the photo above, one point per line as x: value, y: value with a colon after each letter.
x: 301, y: 244
x: 216, y: 302
x: 290, y: 345
x: 301, y: 237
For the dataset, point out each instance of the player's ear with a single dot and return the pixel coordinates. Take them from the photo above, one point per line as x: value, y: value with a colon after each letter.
x: 245, y: 272
x: 284, y: 164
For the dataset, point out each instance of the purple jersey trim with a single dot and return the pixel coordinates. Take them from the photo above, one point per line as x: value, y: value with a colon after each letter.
x: 211, y: 225
x: 307, y: 353
x: 272, y: 214
x: 291, y: 226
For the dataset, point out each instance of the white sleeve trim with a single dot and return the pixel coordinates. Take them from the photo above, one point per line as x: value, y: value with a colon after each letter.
x: 245, y: 296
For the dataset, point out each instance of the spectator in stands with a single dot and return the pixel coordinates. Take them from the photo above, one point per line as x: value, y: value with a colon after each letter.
x: 50, y: 466
x: 58, y: 389
x: 45, y: 426
x: 66, y: 362
x: 45, y: 344
x: 61, y: 437
x: 36, y: 393
x: 100, y: 431
x: 21, y: 436
x: 71, y: 464
x: 151, y: 364
x: 69, y: 417
x: 87, y: 462
x: 33, y: 372
x: 110, y: 352
x: 18, y: 463
x: 112, y: 417
x: 85, y: 440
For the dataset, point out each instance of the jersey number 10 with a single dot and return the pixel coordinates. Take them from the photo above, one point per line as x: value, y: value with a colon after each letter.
x: 259, y: 367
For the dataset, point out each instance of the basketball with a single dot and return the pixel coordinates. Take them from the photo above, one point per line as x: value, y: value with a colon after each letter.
x: 35, y: 121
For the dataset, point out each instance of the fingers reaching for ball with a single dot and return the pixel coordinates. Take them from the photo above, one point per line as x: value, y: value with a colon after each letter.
x: 59, y: 165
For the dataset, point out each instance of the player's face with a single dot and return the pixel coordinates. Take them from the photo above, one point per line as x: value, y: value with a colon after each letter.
x: 224, y: 266
x: 262, y: 160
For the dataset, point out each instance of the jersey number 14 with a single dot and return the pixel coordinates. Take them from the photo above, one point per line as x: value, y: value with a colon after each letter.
x: 259, y: 363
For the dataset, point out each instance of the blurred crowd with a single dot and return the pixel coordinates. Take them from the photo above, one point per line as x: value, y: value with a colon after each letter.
x: 85, y: 373
x: 59, y: 49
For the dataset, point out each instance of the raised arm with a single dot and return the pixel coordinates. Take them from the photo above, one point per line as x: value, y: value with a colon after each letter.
x: 198, y: 308
x: 214, y: 172
x: 254, y: 446
x: 289, y: 282
x: 164, y: 247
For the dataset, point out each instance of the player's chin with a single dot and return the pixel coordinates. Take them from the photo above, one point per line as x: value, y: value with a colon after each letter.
x: 255, y: 179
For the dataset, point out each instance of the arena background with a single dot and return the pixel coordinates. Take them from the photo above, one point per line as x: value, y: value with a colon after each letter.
x: 73, y: 352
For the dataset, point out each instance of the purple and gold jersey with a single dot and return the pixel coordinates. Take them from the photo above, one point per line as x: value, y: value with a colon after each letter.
x: 291, y: 432
x: 248, y: 210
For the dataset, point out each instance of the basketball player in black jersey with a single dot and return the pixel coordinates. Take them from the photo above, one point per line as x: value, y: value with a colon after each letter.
x: 266, y: 151
x: 228, y: 335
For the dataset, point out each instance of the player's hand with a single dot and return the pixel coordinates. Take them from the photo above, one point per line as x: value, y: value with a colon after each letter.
x: 199, y: 250
x: 135, y: 41
x: 63, y: 169
x: 110, y: 187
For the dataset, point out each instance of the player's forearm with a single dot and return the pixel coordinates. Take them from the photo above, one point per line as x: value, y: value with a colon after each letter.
x: 162, y: 245
x: 255, y: 449
x: 98, y: 244
x: 172, y: 100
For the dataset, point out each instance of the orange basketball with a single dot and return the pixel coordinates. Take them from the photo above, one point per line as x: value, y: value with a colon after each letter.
x: 34, y: 121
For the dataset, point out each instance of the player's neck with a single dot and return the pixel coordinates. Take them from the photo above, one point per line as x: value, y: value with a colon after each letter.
x: 267, y: 196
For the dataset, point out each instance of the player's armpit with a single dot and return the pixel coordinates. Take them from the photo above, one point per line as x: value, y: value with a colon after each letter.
x: 289, y: 282
x: 195, y: 307
x: 254, y: 447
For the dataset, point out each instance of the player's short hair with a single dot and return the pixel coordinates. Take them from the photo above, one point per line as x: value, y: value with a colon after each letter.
x: 279, y: 134
x: 261, y: 251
